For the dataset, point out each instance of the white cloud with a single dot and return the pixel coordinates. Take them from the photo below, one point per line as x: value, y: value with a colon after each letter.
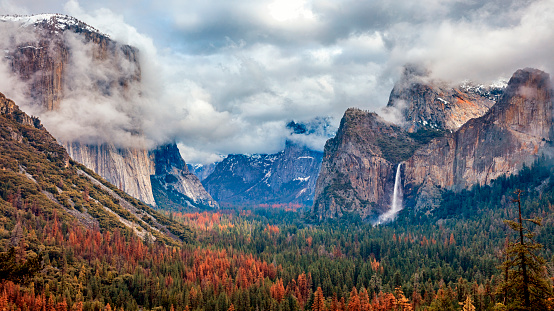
x: 474, y: 49
x: 286, y: 10
x: 227, y: 76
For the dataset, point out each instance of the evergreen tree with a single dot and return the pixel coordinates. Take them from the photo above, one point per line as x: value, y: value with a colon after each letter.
x: 525, y: 282
x: 12, y: 270
x: 319, y: 301
x: 467, y: 305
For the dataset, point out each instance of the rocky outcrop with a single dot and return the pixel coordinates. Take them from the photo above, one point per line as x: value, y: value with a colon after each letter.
x: 358, y: 167
x: 284, y: 178
x: 173, y: 177
x: 41, y: 56
x: 9, y: 109
x: 426, y: 103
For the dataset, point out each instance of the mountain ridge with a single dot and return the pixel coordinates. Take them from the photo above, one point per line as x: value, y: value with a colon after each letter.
x: 286, y: 177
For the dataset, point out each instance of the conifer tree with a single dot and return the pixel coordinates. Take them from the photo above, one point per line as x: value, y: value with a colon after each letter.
x: 319, y: 301
x: 354, y: 301
x: 467, y: 305
x: 364, y: 300
x: 403, y: 303
x: 525, y: 282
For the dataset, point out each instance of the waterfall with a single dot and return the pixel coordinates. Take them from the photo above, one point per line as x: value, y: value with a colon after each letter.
x: 396, y: 198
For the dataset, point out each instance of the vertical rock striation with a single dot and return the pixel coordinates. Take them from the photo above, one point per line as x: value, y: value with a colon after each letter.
x: 127, y: 168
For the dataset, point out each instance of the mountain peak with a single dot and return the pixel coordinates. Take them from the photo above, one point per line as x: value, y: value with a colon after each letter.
x: 51, y: 21
x: 530, y: 78
x: 526, y: 105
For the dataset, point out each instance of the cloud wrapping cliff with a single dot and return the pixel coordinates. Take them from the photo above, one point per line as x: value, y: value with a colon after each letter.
x: 227, y: 77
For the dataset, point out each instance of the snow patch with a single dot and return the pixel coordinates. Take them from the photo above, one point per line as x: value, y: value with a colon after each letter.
x: 31, y: 47
x: 443, y: 101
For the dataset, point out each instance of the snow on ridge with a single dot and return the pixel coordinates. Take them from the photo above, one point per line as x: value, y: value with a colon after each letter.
x: 59, y: 21
x: 500, y: 84
x: 443, y: 101
x: 30, y: 47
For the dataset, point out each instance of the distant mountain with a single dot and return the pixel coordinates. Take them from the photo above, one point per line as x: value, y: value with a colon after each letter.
x: 285, y: 178
x: 202, y: 170
x: 38, y: 177
x: 43, y: 55
x: 360, y: 162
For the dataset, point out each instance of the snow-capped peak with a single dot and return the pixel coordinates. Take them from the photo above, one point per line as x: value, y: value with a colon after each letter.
x: 60, y: 22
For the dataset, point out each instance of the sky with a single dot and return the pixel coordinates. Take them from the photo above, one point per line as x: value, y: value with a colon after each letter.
x: 227, y: 76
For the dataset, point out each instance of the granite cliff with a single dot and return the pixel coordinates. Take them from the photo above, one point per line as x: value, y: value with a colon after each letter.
x: 358, y: 168
x: 42, y: 57
x: 514, y: 131
x: 127, y: 168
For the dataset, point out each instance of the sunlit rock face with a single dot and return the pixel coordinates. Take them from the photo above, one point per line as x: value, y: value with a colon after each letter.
x: 357, y: 172
x: 58, y: 57
x: 423, y: 102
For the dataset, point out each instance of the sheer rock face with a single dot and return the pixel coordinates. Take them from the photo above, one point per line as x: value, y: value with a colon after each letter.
x: 427, y: 103
x: 357, y: 173
x: 128, y: 169
x: 43, y: 61
x: 282, y: 178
